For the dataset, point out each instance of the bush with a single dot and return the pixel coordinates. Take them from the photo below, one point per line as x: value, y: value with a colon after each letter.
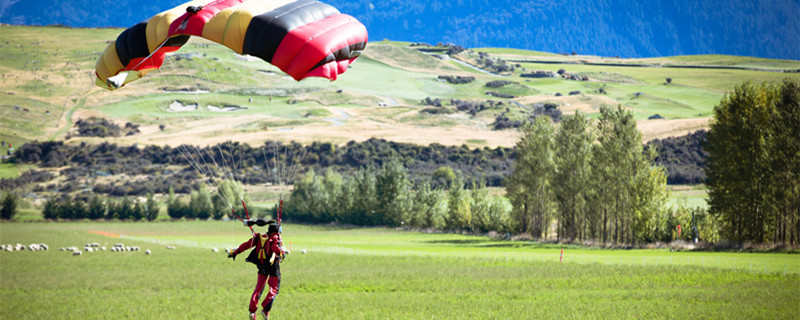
x: 499, y: 83
x: 457, y: 79
x: 9, y: 209
x: 499, y: 95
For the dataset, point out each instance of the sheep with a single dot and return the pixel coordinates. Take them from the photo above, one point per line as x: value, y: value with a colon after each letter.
x: 77, y: 253
x: 19, y: 247
x: 214, y: 250
x: 103, y: 248
x: 89, y: 249
x: 44, y: 247
x: 170, y: 248
x: 147, y: 252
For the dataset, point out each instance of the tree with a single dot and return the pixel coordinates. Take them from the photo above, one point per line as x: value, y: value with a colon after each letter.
x: 573, y: 150
x: 97, y: 209
x: 332, y: 183
x: 137, y: 210
x: 443, y: 177
x: 125, y: 209
x: 393, y: 191
x: 113, y: 209
x: 75, y: 209
x: 628, y: 191
x: 784, y: 151
x: 738, y: 163
x: 529, y: 186
x: 459, y: 214
x: 51, y: 210
x: 9, y: 204
x: 151, y: 208
x: 200, y: 203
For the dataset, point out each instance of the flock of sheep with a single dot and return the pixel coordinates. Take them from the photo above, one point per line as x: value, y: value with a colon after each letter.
x: 22, y: 247
x: 89, y: 247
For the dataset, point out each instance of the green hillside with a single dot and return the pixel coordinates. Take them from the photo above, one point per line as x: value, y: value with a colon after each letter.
x: 47, y: 85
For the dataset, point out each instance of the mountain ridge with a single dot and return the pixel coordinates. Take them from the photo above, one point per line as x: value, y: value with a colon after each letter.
x: 621, y: 28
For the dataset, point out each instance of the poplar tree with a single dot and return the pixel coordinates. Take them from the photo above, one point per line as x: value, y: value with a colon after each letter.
x: 529, y: 186
x: 573, y: 147
x: 628, y: 190
x: 738, y: 161
x: 785, y: 164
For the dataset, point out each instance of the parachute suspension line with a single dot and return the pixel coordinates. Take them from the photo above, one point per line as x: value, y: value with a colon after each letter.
x: 225, y: 172
x: 208, y: 174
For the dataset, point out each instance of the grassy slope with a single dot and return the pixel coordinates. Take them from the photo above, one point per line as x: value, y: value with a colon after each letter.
x: 48, y: 69
x: 370, y: 273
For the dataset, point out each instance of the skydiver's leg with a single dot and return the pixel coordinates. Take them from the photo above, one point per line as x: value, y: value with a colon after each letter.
x: 274, y: 286
x: 262, y: 279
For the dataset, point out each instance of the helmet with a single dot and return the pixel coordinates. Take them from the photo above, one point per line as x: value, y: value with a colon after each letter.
x: 273, y: 228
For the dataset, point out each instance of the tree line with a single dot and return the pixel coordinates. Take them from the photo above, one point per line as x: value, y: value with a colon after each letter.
x: 384, y: 196
x: 592, y: 181
x: 183, y: 167
x: 96, y: 207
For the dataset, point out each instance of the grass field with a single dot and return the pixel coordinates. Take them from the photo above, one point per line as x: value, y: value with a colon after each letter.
x: 379, y: 274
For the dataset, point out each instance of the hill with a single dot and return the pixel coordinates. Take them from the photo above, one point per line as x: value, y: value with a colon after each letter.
x: 47, y: 75
x: 623, y: 28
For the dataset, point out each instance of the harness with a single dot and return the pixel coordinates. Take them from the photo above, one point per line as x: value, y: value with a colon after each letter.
x: 261, y: 255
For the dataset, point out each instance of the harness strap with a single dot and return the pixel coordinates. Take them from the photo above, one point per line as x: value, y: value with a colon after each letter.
x: 262, y: 253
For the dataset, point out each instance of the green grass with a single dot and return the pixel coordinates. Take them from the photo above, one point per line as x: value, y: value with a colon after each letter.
x: 12, y: 170
x: 378, y: 274
x: 688, y: 196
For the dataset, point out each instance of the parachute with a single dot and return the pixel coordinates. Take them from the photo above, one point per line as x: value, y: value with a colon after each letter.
x: 303, y: 38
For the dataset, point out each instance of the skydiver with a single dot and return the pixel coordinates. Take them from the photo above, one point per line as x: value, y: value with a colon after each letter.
x: 267, y: 255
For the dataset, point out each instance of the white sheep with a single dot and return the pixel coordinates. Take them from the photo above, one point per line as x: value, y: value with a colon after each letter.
x: 215, y: 250
x: 77, y: 253
x: 89, y: 249
x: 170, y: 247
x: 44, y: 247
x: 103, y: 248
x: 147, y: 252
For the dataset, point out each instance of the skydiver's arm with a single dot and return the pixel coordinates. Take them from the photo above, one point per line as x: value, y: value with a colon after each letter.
x: 246, y: 245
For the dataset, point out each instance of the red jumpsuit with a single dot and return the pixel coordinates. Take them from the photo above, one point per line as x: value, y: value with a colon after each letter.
x: 268, y: 273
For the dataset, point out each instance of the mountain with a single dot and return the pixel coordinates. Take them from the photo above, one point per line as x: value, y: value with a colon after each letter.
x: 624, y: 28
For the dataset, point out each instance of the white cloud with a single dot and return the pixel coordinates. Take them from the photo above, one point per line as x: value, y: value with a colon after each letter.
x: 5, y: 4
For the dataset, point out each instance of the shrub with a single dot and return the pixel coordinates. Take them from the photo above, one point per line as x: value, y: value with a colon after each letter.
x: 457, y: 79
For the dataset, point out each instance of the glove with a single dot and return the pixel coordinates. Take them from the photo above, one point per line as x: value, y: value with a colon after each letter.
x: 232, y: 254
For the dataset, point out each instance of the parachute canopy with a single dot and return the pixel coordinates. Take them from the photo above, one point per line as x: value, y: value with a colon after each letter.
x: 303, y: 38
